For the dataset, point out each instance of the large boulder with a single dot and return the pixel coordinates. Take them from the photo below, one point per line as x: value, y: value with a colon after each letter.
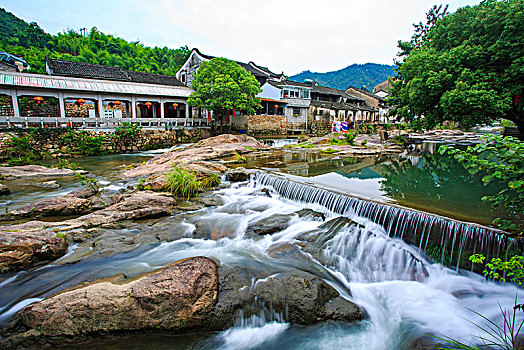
x: 32, y: 171
x: 299, y: 296
x: 176, y: 297
x: 207, y: 149
x: 20, y: 250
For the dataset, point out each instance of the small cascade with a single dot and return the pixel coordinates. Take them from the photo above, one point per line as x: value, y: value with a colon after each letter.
x: 363, y: 255
x: 448, y: 240
x: 251, y: 332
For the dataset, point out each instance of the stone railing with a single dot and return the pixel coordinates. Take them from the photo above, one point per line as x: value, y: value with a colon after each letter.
x: 155, y: 123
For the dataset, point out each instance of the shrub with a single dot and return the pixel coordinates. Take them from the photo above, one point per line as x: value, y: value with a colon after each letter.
x: 65, y: 164
x: 128, y: 130
x: 363, y: 143
x: 21, y: 150
x: 92, y: 183
x: 350, y: 137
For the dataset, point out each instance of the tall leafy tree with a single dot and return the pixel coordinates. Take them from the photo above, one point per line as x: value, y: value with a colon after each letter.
x: 221, y: 84
x: 466, y: 67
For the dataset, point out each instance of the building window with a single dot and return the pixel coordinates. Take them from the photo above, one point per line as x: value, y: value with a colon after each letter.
x: 296, y: 112
x: 306, y: 93
x: 183, y: 78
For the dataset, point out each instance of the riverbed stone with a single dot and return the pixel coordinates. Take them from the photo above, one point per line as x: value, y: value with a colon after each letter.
x: 34, y: 171
x: 47, y: 184
x: 270, y: 225
x: 238, y: 174
x: 20, y: 250
x: 77, y: 202
x: 4, y: 190
x: 173, y: 298
x: 34, y: 242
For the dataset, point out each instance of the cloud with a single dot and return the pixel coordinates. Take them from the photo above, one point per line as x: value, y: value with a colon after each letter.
x: 284, y: 35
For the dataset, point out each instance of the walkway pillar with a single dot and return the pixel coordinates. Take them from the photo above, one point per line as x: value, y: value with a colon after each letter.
x: 133, y: 107
x: 14, y: 98
x: 100, y: 105
x: 61, y: 104
x: 162, y: 108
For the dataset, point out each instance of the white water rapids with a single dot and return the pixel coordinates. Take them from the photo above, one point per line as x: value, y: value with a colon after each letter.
x: 405, y: 295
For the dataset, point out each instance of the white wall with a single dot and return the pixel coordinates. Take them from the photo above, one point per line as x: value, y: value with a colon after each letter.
x: 269, y: 91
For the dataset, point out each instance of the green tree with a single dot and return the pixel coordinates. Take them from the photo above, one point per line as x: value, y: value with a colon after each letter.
x: 466, y: 67
x: 498, y: 159
x: 221, y: 84
x: 31, y: 42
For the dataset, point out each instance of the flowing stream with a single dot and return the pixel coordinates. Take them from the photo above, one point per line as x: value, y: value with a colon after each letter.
x: 366, y: 258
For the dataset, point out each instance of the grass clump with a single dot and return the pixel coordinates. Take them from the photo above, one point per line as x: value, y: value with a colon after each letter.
x: 183, y: 182
x: 238, y: 158
x: 210, y: 181
x: 329, y: 150
x: 363, y: 143
x: 349, y: 139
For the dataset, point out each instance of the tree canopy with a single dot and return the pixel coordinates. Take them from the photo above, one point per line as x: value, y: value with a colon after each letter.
x: 221, y: 84
x: 466, y: 67
x: 31, y: 42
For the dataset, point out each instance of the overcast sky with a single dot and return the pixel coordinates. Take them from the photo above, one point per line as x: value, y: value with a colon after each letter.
x: 284, y: 35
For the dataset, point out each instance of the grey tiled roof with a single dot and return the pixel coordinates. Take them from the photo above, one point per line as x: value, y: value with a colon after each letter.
x: 334, y: 105
x: 287, y: 83
x: 246, y: 66
x: 330, y: 91
x: 366, y: 92
x: 95, y: 71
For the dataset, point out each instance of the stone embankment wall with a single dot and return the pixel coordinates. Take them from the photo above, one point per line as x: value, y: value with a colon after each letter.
x: 260, y: 124
x: 56, y: 143
x: 320, y: 128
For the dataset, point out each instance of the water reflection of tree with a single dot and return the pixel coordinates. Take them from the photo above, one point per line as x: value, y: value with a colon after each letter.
x: 433, y: 178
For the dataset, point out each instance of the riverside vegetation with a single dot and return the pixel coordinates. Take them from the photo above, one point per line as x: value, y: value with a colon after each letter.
x: 25, y: 146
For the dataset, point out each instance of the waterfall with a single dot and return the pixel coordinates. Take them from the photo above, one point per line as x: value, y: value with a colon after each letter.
x: 451, y: 241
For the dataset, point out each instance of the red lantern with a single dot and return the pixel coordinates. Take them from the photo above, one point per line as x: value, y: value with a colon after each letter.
x: 234, y: 111
x: 38, y: 99
x: 117, y: 103
x: 80, y: 101
x: 175, y: 105
x: 208, y: 116
x: 148, y: 105
x: 276, y: 109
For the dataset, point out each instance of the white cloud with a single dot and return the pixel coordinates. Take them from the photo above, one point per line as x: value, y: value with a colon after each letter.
x: 284, y: 35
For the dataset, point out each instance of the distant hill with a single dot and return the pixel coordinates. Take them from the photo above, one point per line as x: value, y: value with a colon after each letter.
x: 357, y: 75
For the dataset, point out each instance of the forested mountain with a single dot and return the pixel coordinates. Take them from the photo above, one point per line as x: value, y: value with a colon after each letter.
x: 30, y: 41
x: 357, y: 75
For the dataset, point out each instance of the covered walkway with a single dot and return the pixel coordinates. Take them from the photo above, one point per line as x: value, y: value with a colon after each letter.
x: 51, y: 100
